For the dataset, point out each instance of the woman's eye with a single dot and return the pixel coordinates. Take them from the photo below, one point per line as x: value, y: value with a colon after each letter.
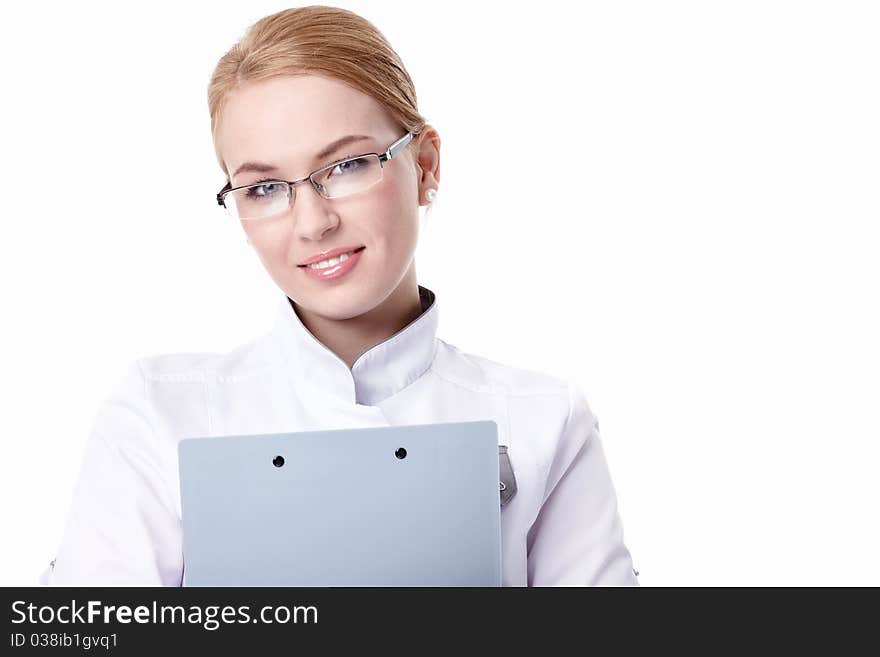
x: 349, y: 166
x: 262, y: 191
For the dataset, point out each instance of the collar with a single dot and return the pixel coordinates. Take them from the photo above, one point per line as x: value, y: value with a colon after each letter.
x: 381, y: 371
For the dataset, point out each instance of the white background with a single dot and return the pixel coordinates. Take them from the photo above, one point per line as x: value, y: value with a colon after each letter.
x: 674, y: 204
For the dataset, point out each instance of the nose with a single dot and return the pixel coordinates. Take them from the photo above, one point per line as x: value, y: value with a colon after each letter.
x: 313, y: 216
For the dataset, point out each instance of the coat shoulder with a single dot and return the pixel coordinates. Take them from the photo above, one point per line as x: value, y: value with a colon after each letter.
x: 242, y: 360
x: 514, y: 380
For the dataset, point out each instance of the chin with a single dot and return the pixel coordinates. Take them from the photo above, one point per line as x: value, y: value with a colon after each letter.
x: 346, y: 305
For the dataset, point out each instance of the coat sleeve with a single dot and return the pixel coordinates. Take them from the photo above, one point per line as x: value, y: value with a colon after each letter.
x: 122, y: 527
x: 577, y: 537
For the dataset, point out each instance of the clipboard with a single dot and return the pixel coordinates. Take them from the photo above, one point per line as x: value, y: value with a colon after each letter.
x: 406, y: 505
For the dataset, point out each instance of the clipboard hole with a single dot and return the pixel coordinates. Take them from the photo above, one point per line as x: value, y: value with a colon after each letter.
x: 278, y: 461
x: 400, y: 453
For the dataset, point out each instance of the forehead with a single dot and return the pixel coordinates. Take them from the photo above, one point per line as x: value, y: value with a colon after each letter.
x: 287, y: 119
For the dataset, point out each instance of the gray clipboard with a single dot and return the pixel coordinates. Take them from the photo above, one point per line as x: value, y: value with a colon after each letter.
x: 344, y: 507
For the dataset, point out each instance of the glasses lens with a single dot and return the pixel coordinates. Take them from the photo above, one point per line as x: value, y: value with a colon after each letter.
x: 258, y: 201
x: 349, y: 176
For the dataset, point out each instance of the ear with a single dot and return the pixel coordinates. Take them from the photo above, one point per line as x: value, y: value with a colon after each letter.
x: 428, y: 162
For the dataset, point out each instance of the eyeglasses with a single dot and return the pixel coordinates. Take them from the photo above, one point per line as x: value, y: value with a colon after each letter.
x: 269, y: 198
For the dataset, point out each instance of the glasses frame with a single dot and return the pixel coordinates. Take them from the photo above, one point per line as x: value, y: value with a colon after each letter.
x: 389, y: 153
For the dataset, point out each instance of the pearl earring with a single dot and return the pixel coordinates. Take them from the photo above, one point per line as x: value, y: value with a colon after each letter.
x: 431, y: 194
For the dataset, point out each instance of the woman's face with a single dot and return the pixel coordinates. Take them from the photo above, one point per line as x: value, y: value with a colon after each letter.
x: 285, y: 122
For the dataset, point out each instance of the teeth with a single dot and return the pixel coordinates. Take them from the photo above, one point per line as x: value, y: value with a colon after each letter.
x: 330, y: 263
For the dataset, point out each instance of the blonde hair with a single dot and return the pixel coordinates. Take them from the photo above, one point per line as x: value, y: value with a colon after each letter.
x: 316, y: 39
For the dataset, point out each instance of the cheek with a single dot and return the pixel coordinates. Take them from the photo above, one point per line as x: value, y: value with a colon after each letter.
x: 392, y: 217
x: 268, y: 239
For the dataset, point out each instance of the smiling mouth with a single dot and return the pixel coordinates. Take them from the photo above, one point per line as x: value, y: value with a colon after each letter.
x: 358, y: 250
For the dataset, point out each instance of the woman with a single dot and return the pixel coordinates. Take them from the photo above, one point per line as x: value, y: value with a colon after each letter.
x: 327, y: 160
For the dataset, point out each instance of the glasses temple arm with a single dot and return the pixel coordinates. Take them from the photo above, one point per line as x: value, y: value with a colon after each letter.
x: 397, y: 146
x: 225, y: 189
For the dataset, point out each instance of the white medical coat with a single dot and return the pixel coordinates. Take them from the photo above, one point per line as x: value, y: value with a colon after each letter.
x: 561, y: 527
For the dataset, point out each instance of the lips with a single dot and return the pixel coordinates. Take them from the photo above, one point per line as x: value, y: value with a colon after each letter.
x: 333, y: 253
x: 341, y: 270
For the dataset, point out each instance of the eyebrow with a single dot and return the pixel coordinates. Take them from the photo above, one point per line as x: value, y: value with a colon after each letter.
x: 262, y: 167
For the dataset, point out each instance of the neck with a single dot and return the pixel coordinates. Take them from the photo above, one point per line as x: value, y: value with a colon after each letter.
x: 349, y: 338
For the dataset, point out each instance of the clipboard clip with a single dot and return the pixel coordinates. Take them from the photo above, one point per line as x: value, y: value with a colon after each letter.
x: 507, y: 480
